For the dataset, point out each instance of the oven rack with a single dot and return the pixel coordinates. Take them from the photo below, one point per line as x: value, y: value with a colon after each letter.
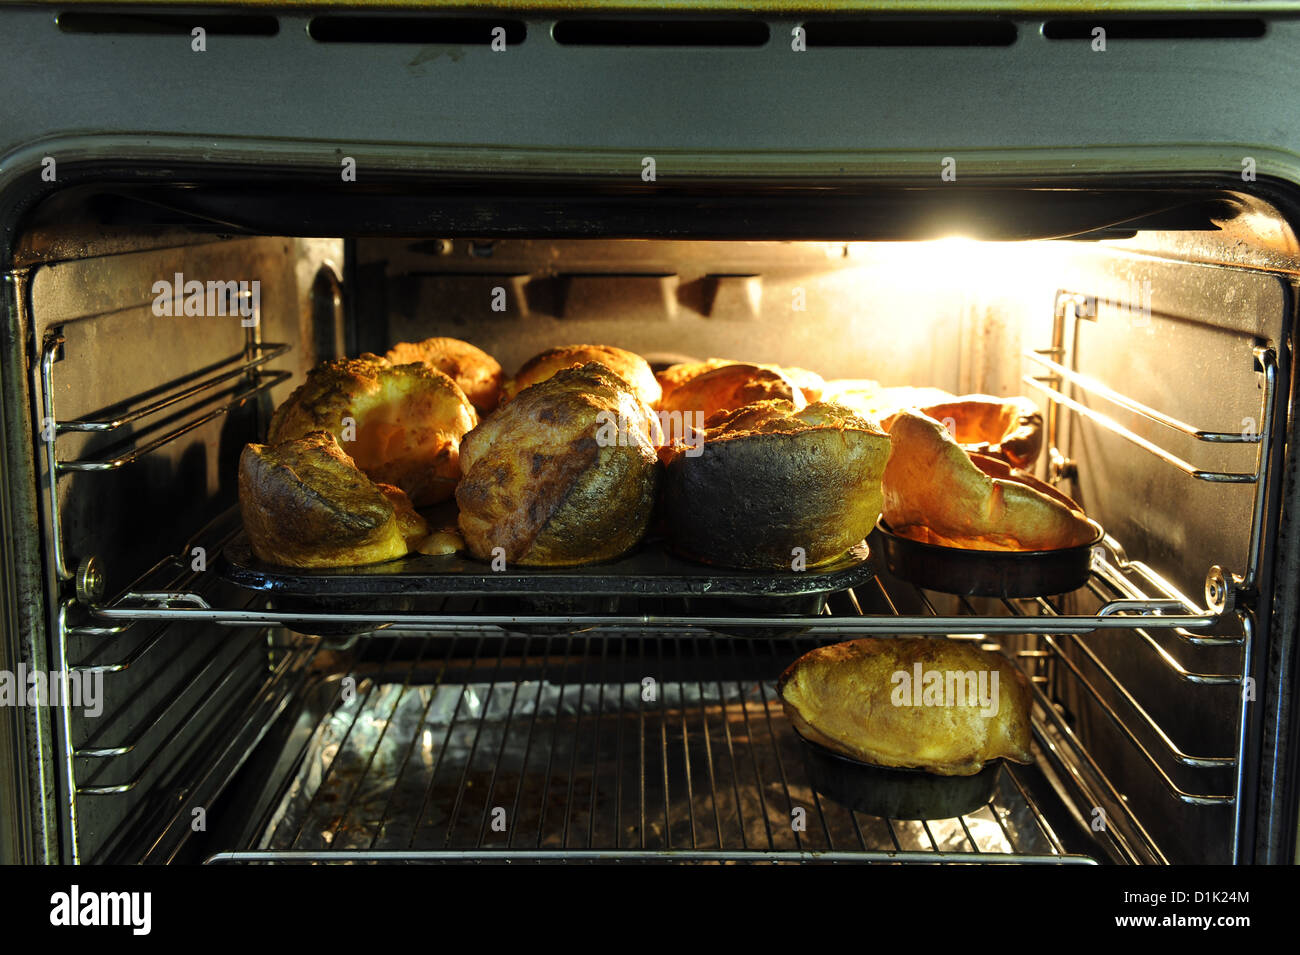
x: 1081, y: 780
x: 883, y: 606
x: 552, y: 732
x: 1137, y: 592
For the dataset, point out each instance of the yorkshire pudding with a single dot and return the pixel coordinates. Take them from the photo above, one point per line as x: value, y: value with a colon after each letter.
x: 563, y: 474
x: 934, y: 492
x: 874, y: 401
x: 1007, y: 428
x: 632, y: 368
x: 729, y: 387
x: 926, y: 703
x: 474, y: 370
x: 769, y: 478
x: 401, y: 424
x: 810, y: 384
x: 306, y: 504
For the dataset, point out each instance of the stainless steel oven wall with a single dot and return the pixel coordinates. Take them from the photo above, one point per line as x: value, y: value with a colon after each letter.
x: 167, y: 724
x: 1165, y: 713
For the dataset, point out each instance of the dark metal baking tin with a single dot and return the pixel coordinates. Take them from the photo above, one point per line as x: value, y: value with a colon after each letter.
x: 897, y: 793
x: 649, y: 571
x: 987, y: 573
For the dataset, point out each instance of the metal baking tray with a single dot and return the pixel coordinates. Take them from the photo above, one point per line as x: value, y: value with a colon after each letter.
x: 649, y: 571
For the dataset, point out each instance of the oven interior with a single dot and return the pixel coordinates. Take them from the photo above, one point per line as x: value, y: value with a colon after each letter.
x: 1153, y: 328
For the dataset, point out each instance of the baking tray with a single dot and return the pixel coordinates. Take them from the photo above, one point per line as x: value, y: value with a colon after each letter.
x: 987, y: 573
x: 649, y: 571
x: 614, y: 587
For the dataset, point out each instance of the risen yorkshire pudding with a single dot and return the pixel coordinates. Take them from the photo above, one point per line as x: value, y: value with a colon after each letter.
x: 406, y: 421
x: 935, y: 493
x: 850, y: 698
x: 809, y: 383
x: 306, y: 504
x: 1007, y: 428
x: 874, y: 401
x: 474, y: 370
x: 564, y: 474
x: 770, y: 478
x: 632, y: 368
x: 731, y: 386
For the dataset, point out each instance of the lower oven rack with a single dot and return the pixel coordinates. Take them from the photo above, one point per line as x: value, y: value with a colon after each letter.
x: 552, y: 737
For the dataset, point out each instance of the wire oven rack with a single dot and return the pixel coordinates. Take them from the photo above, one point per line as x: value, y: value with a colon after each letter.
x: 545, y: 748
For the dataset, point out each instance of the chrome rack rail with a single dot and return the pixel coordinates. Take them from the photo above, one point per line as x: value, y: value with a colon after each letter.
x: 221, y: 384
x: 1052, y: 384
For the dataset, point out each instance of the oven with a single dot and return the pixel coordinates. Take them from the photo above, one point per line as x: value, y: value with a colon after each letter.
x: 1002, y: 203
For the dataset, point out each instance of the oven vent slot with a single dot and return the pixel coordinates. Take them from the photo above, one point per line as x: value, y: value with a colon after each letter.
x: 168, y: 24
x: 598, y: 32
x: 461, y: 31
x: 1156, y: 28
x: 891, y: 31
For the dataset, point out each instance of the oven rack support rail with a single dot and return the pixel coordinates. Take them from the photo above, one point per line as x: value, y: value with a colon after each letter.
x: 1053, y: 385
x: 233, y: 383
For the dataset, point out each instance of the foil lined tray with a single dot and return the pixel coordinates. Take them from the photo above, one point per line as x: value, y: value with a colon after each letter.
x: 536, y: 764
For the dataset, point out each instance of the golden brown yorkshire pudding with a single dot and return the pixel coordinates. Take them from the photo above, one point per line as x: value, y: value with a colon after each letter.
x: 563, y: 474
x: 632, y: 368
x: 1007, y: 428
x: 934, y: 492
x: 874, y: 401
x: 401, y: 424
x: 769, y: 478
x: 728, y: 387
x: 850, y: 698
x: 305, y: 503
x: 810, y: 384
x: 474, y: 370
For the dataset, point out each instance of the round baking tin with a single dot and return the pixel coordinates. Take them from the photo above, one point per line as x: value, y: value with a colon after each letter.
x: 897, y: 793
x: 988, y: 573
